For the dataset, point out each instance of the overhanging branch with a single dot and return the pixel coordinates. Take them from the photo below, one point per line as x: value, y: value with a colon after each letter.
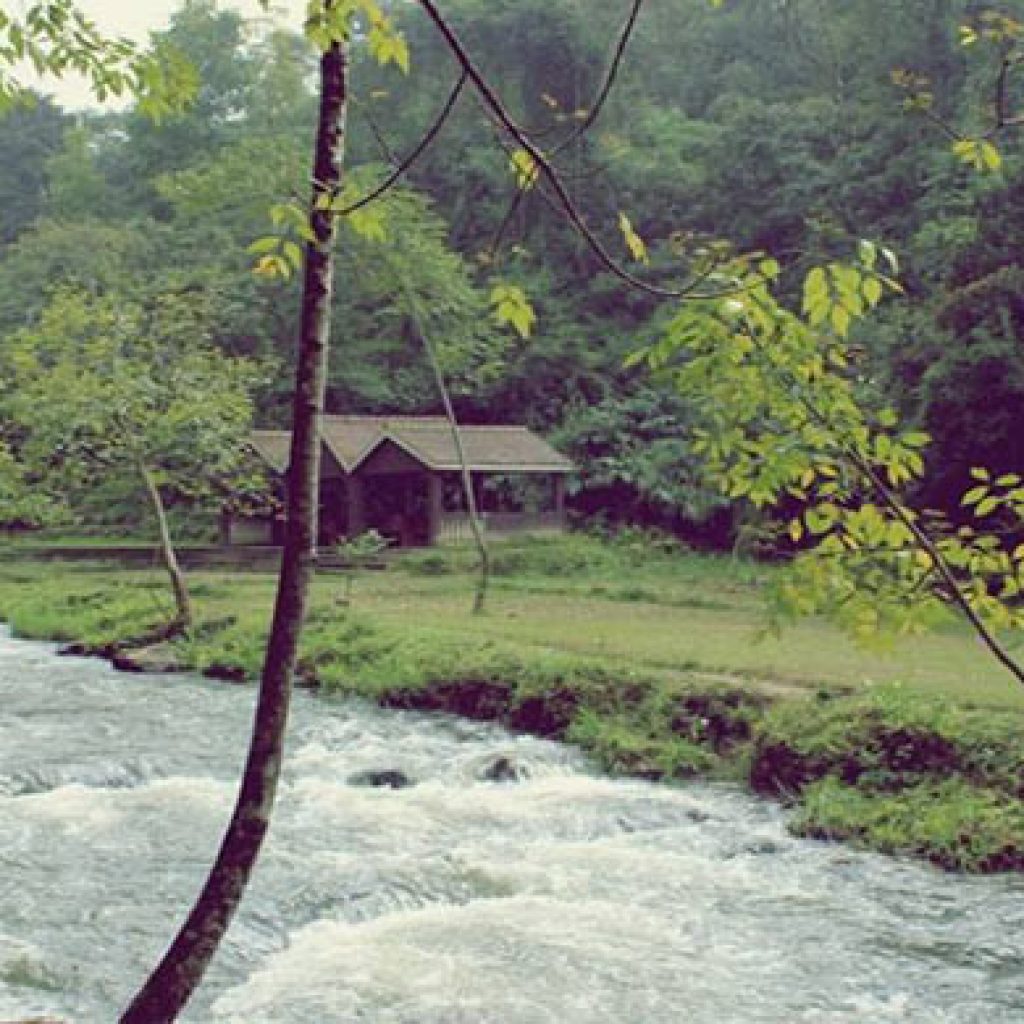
x: 546, y: 169
x: 420, y: 148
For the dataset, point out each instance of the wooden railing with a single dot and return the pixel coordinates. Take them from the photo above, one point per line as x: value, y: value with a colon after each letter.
x: 456, y: 527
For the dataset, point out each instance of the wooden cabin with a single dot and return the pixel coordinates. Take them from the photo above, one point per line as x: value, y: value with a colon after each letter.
x: 401, y: 475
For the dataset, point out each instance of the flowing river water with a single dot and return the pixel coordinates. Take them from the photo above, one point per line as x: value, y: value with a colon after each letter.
x: 558, y: 896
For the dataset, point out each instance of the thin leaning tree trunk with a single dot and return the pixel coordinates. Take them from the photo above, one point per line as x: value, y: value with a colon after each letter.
x: 182, y: 602
x: 172, y: 983
x: 483, y: 580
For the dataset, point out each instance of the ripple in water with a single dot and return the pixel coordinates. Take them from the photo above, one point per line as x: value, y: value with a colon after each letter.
x: 543, y: 894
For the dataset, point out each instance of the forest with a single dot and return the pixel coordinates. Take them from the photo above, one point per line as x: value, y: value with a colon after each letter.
x: 782, y: 129
x: 753, y: 265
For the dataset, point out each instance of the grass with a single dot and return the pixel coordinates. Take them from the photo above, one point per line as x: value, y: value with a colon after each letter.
x: 951, y: 823
x: 653, y: 661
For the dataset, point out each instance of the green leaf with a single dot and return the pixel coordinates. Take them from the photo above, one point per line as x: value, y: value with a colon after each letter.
x: 990, y: 157
x: 979, y: 153
x: 512, y: 307
x: 868, y: 252
x: 635, y: 244
x: 873, y: 290
x: 915, y: 439
x: 525, y: 168
x: 389, y: 47
x: 841, y: 320
x: 293, y: 254
x: 816, y: 291
x: 261, y: 245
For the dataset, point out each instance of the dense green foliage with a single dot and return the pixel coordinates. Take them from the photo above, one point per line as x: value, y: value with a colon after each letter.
x: 766, y: 126
x: 103, y: 393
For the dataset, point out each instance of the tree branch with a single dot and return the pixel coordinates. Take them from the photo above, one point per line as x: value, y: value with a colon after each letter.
x: 415, y: 316
x: 609, y: 80
x: 547, y: 170
x: 421, y: 147
x: 1003, y: 116
x: 892, y: 502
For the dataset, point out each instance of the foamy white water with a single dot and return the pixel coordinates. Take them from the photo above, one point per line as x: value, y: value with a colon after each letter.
x: 558, y: 898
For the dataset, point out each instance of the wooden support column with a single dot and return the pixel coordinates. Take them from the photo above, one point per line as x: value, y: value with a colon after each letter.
x: 558, y: 488
x: 435, y: 507
x: 356, y: 522
x: 478, y: 494
x: 224, y: 524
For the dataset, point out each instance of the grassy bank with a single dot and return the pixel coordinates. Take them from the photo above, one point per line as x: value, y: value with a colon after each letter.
x: 648, y: 660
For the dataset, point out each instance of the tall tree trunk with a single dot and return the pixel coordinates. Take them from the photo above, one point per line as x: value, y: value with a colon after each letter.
x: 182, y: 601
x: 165, y: 993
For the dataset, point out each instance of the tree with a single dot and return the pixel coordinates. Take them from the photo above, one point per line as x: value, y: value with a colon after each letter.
x: 28, y: 136
x: 176, y: 977
x: 783, y: 419
x: 106, y: 387
x: 637, y: 461
x: 77, y: 188
x: 578, y: 253
x: 21, y: 505
x: 87, y: 255
x: 56, y: 36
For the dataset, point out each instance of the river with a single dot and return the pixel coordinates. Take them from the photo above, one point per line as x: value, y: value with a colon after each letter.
x: 559, y: 896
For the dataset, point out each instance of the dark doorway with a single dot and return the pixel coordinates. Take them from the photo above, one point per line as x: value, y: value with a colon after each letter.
x: 396, y: 506
x: 333, y: 512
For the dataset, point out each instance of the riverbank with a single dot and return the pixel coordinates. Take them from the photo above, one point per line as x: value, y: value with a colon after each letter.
x: 576, y: 655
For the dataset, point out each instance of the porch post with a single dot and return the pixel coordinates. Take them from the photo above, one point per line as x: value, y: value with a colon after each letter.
x: 435, y: 507
x: 558, y: 482
x: 224, y: 526
x: 356, y: 511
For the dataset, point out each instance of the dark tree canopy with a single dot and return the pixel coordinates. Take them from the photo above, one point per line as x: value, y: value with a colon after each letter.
x: 766, y: 126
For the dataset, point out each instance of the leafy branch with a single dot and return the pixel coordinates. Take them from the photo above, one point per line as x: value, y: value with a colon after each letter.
x: 976, y: 149
x: 543, y: 168
x: 785, y: 422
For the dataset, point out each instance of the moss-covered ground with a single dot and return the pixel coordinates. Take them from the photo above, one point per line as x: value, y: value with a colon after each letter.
x: 653, y: 661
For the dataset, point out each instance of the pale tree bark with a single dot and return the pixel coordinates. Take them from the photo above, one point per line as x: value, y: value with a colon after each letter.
x: 484, y: 576
x: 182, y: 602
x: 172, y: 983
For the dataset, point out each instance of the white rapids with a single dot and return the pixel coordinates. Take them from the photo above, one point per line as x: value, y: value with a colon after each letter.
x: 556, y: 896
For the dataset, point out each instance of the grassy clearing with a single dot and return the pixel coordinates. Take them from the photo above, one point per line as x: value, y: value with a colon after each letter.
x: 648, y: 659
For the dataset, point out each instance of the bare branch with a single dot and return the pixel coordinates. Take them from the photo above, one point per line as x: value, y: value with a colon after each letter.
x: 517, y: 197
x: 1003, y: 117
x: 415, y: 315
x: 378, y: 135
x: 421, y: 147
x: 609, y: 80
x: 549, y: 172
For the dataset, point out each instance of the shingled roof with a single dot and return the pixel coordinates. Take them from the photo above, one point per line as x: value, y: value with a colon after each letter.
x: 273, y: 447
x: 428, y: 439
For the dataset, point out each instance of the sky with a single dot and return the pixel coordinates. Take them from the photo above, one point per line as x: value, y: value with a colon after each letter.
x: 136, y: 19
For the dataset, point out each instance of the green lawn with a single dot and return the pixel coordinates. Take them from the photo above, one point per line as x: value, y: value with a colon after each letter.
x: 729, y: 640
x: 695, y: 614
